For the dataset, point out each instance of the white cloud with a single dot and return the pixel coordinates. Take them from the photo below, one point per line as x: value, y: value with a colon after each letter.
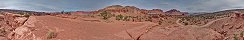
x: 216, y: 5
x: 191, y: 6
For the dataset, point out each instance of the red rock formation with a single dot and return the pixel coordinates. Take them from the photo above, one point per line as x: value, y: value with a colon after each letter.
x: 158, y: 11
x: 239, y: 14
x: 172, y: 10
x: 175, y: 12
x: 132, y: 10
x: 129, y: 10
x: 8, y: 23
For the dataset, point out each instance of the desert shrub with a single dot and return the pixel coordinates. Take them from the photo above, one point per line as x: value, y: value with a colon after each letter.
x: 241, y: 34
x: 106, y: 15
x: 119, y: 17
x: 185, y: 23
x: 21, y: 13
x: 126, y: 18
x: 2, y: 32
x: 149, y: 19
x: 160, y: 22
x: 24, y: 14
x: 113, y: 15
x: 235, y: 37
x: 90, y: 15
x: 68, y: 13
x: 51, y: 34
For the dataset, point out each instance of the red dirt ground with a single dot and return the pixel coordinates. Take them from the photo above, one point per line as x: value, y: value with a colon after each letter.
x: 72, y: 29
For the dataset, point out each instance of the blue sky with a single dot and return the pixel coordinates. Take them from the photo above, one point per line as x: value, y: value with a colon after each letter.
x: 88, y: 5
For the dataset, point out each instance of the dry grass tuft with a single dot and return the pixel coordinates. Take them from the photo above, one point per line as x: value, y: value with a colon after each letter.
x: 51, y: 34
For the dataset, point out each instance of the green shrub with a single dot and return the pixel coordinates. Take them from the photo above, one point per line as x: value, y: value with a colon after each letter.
x: 119, y: 17
x: 126, y: 18
x: 241, y: 34
x: 235, y: 37
x: 24, y: 14
x: 21, y: 13
x: 106, y: 15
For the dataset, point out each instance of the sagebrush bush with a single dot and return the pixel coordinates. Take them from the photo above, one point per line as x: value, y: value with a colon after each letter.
x: 126, y: 18
x: 241, y: 34
x: 24, y: 14
x: 106, y: 15
x: 235, y: 37
x: 51, y: 34
x: 119, y: 17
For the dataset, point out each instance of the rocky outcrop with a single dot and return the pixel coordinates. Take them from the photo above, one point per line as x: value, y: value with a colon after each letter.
x: 238, y: 14
x: 24, y: 32
x: 9, y: 23
x: 172, y: 10
x: 175, y: 12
